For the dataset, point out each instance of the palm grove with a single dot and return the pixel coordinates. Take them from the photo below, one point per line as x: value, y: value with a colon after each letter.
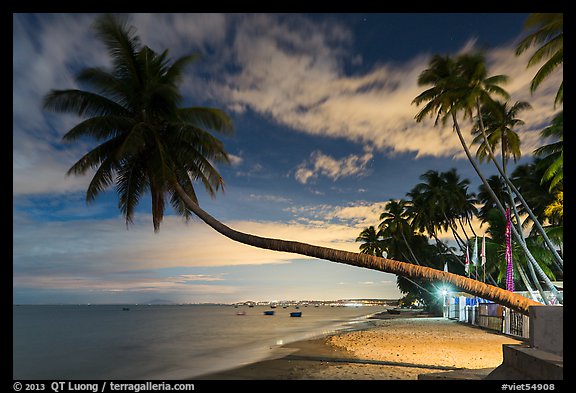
x: 147, y: 143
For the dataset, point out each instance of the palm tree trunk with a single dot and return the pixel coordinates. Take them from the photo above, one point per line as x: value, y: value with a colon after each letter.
x: 530, y: 267
x: 464, y: 230
x: 527, y: 283
x: 474, y: 287
x: 469, y: 222
x: 539, y: 270
x: 409, y: 248
x: 511, y: 185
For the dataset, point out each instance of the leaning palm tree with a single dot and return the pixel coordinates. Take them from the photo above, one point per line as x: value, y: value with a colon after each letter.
x: 473, y: 69
x: 547, y: 30
x: 458, y: 86
x: 477, y: 91
x: 149, y: 144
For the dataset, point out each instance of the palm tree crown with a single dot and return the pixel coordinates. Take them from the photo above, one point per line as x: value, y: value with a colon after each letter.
x: 499, y: 119
x: 147, y: 142
x: 548, y: 30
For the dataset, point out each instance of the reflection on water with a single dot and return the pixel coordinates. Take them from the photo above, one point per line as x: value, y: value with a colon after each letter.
x: 159, y: 342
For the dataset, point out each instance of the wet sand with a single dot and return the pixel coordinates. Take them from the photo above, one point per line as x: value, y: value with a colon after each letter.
x: 394, y: 348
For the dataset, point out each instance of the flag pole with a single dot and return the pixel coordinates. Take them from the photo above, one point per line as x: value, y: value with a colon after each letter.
x: 483, y: 256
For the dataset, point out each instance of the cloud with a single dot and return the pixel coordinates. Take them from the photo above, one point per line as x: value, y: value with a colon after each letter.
x: 269, y: 198
x: 289, y: 68
x: 323, y: 164
x: 297, y: 78
x: 235, y: 160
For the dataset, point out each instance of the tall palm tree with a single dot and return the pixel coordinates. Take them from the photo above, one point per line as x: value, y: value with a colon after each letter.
x: 461, y: 202
x: 457, y: 86
x: 371, y: 241
x: 149, y: 144
x: 547, y: 29
x: 445, y: 199
x: 484, y: 198
x: 394, y: 222
x: 495, y: 125
x: 477, y: 90
x: 499, y: 121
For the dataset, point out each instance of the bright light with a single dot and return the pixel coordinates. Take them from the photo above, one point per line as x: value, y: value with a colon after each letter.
x: 444, y: 291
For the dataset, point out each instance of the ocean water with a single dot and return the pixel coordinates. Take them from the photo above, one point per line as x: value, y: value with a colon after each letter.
x: 160, y: 341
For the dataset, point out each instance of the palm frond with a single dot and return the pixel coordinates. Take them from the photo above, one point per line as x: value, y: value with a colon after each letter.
x: 95, y: 157
x: 174, y: 72
x: 209, y: 118
x: 82, y: 103
x: 101, y: 180
x: 131, y: 184
x: 99, y: 128
x: 547, y: 68
x: 122, y: 45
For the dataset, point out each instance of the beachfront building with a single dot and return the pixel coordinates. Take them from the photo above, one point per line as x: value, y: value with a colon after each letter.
x: 486, y: 314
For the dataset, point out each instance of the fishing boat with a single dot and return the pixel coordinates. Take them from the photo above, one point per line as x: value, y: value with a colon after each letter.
x: 296, y: 314
x: 271, y: 312
x: 241, y: 313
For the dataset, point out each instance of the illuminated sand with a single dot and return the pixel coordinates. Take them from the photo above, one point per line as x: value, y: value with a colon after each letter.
x: 393, y: 349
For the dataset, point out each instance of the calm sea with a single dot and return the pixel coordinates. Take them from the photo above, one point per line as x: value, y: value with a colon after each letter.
x: 160, y: 342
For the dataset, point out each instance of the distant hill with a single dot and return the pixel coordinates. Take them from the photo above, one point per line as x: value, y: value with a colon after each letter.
x: 160, y: 301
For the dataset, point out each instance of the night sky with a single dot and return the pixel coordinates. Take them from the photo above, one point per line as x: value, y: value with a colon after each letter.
x: 324, y: 136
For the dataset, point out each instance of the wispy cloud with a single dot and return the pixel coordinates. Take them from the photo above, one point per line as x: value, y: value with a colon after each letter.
x: 299, y: 81
x: 323, y: 164
x: 289, y: 68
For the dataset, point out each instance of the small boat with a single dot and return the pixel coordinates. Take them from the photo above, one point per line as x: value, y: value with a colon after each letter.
x: 296, y: 314
x: 125, y: 308
x: 241, y: 313
x: 271, y: 312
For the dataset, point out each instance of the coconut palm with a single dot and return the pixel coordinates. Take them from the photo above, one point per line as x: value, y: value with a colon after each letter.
x: 478, y: 90
x: 499, y: 119
x: 371, y: 241
x: 547, y: 29
x: 484, y: 198
x: 394, y: 222
x: 149, y: 144
x: 555, y: 211
x: 527, y: 179
x: 460, y: 86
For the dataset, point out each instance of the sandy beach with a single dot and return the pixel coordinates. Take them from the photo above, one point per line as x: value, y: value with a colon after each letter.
x: 394, y: 348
